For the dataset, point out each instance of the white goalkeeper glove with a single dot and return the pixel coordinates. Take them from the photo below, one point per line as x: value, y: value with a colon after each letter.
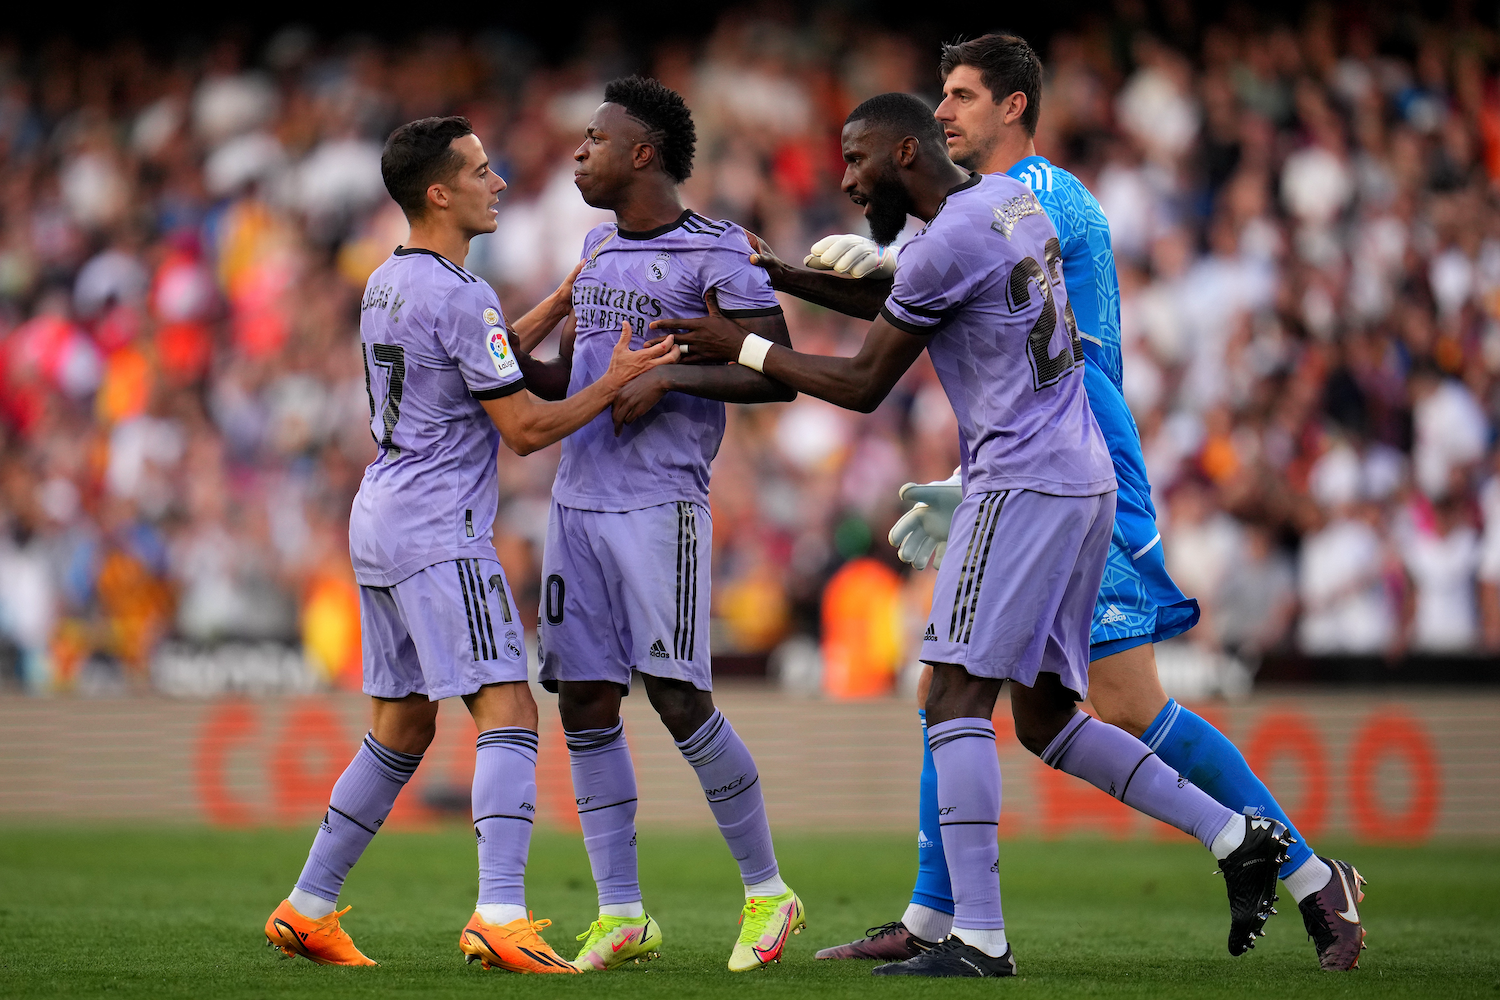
x: 855, y: 256
x: 921, y: 536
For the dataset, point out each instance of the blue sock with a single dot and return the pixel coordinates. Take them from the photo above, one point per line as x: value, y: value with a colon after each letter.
x: 1204, y: 756
x: 933, y: 888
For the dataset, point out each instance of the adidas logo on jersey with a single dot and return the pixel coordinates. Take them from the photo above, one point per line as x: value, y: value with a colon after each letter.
x: 659, y: 650
x: 1112, y: 616
x: 930, y: 635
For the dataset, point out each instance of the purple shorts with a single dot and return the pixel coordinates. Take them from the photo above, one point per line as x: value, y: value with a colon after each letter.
x: 1015, y: 594
x: 623, y: 591
x: 447, y: 630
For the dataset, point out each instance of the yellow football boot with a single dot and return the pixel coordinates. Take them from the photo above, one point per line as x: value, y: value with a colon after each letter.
x: 765, y: 925
x: 613, y: 941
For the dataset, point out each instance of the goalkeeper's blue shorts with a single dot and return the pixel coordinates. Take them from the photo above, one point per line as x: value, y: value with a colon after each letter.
x: 1138, y: 602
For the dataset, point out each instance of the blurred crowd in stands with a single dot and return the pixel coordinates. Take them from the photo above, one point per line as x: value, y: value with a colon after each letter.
x: 1305, y: 222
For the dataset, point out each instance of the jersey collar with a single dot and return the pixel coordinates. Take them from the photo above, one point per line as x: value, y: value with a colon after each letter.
x: 651, y: 234
x: 408, y: 251
x: 974, y: 178
x: 1025, y: 163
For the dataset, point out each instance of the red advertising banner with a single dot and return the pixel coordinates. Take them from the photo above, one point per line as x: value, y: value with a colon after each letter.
x: 1406, y: 769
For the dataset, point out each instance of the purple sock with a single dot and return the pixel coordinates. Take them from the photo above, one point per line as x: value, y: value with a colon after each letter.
x: 361, y: 800
x: 732, y: 785
x: 504, y: 807
x: 1113, y: 761
x: 968, y: 788
x: 604, y: 782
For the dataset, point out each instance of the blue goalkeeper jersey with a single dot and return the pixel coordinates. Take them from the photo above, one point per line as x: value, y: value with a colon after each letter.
x: 1088, y: 259
x: 1088, y: 266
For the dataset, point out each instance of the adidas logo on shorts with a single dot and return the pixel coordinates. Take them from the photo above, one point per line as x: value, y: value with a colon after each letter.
x: 659, y: 650
x: 1112, y: 616
x: 930, y: 635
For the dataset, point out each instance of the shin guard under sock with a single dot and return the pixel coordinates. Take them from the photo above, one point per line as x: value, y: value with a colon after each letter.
x: 1204, y: 756
x: 361, y: 800
x: 932, y: 889
x: 968, y: 780
x: 732, y: 786
x: 504, y: 810
x: 1112, y: 760
x: 604, y: 784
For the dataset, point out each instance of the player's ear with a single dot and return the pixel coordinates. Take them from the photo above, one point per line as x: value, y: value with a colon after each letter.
x: 437, y: 195
x: 1015, y: 107
x: 906, y: 152
x: 643, y: 154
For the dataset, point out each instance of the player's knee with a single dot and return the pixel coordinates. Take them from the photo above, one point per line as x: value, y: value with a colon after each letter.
x: 412, y: 736
x: 587, y: 706
x: 1037, y: 727
x: 683, y: 708
x: 1034, y: 736
x: 1131, y: 718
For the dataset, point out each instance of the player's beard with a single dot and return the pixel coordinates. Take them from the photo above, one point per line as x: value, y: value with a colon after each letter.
x: 889, y: 206
x: 978, y: 153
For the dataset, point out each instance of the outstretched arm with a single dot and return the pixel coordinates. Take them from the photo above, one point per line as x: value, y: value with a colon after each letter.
x: 857, y: 383
x: 858, y: 297
x: 527, y: 424
x: 728, y: 383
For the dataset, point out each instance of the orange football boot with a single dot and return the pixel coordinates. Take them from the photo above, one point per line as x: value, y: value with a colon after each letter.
x: 514, y: 947
x: 321, y: 940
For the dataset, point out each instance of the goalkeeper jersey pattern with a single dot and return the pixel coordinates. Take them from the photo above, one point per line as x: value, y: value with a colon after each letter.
x: 665, y: 456
x: 434, y: 345
x: 982, y: 281
x: 1088, y: 259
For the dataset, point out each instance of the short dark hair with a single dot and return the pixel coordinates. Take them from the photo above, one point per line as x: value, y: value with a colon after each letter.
x: 418, y: 155
x: 1006, y: 64
x: 902, y: 113
x: 667, y: 120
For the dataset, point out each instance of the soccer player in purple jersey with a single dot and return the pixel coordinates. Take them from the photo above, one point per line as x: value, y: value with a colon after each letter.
x: 436, y: 616
x: 989, y: 113
x: 626, y: 567
x: 979, y: 288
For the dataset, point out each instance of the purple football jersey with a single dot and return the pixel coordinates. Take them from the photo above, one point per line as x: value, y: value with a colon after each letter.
x: 434, y: 344
x: 983, y: 281
x: 665, y: 455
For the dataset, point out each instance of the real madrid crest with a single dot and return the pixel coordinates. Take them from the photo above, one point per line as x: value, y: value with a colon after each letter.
x: 657, y: 269
x: 491, y: 316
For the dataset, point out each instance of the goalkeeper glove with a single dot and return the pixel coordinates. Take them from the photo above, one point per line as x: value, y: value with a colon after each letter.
x: 855, y: 256
x: 921, y: 535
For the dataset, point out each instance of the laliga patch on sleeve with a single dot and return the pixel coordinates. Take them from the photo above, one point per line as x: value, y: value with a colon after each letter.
x: 491, y: 316
x: 500, y: 353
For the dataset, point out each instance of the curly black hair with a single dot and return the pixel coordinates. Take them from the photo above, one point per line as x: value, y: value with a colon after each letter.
x: 668, y: 122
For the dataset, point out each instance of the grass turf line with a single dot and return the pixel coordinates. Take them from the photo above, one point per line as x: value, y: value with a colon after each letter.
x: 178, y: 912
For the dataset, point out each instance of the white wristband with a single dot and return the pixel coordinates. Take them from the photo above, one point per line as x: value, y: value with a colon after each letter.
x: 753, y: 352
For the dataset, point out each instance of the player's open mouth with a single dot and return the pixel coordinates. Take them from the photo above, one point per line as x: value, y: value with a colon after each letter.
x: 950, y: 135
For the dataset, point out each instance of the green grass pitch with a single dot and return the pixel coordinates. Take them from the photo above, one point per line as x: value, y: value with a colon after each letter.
x: 177, y: 913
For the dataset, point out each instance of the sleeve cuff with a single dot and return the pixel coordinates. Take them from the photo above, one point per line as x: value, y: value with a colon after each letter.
x: 906, y: 325
x: 751, y: 313
x: 499, y: 391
